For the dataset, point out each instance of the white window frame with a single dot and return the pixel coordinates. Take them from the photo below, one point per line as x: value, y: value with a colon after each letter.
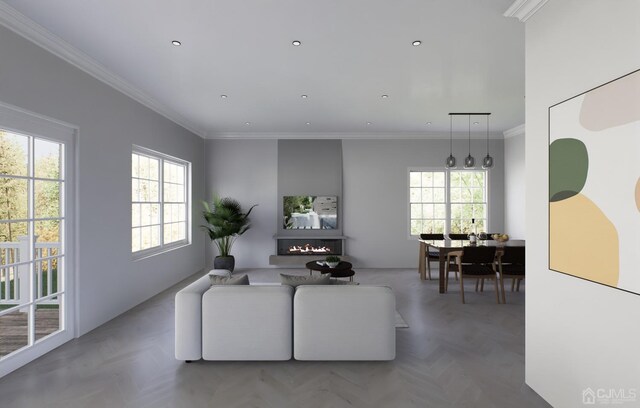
x: 447, y: 183
x: 162, y: 248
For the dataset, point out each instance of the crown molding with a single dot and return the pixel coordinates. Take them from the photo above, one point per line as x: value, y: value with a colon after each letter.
x: 34, y: 32
x: 524, y: 9
x: 515, y: 131
x: 348, y: 135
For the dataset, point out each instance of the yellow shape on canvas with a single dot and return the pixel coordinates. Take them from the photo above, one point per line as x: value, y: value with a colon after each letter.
x: 583, y: 242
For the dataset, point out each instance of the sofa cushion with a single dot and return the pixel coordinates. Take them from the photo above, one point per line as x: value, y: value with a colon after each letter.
x: 297, y: 280
x: 232, y: 280
x: 259, y: 326
x: 220, y: 272
x: 344, y: 323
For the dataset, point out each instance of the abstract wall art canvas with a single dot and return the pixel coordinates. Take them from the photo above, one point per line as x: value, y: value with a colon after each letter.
x: 594, y: 184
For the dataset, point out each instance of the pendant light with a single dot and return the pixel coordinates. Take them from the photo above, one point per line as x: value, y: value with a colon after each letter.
x: 450, y: 163
x: 469, y: 161
x: 487, y: 162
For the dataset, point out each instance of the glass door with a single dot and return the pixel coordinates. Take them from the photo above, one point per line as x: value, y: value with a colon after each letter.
x: 33, y: 245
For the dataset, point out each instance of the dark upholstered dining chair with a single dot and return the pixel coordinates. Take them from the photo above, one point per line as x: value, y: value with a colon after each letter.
x: 511, y: 265
x: 458, y: 237
x: 432, y: 254
x: 477, y: 262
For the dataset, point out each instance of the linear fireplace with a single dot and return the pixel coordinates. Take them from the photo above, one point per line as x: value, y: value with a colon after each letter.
x: 309, y: 246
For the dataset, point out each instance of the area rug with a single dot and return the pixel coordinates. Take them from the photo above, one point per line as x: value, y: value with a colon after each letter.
x: 400, y: 323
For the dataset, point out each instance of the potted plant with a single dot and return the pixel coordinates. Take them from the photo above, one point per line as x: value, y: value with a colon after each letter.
x: 225, y: 222
x: 332, y: 261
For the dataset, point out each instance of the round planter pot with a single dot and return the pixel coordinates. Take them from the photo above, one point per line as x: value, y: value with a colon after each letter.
x: 224, y: 262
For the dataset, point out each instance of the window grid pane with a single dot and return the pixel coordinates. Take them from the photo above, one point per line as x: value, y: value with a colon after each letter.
x: 32, y: 226
x: 426, y: 195
x: 466, y: 205
x: 468, y: 202
x: 159, y: 202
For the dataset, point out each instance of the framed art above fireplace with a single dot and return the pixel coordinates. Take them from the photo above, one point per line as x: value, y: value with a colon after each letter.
x: 310, y: 212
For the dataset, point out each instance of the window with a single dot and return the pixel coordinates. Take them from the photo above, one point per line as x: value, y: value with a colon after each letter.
x: 447, y: 201
x: 37, y: 219
x: 159, y: 202
x: 468, y: 198
x: 34, y: 238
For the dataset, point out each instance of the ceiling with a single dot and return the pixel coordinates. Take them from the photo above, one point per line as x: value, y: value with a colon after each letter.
x: 353, y: 51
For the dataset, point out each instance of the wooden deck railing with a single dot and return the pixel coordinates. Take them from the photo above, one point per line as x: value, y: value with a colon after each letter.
x: 14, y: 267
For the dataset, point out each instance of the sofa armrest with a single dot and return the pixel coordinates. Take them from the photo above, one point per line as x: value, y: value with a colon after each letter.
x: 188, y: 320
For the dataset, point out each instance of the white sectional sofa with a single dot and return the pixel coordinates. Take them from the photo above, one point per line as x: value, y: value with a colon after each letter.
x: 274, y: 322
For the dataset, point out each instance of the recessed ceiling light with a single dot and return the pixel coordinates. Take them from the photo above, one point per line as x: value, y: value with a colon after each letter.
x: 308, y: 123
x: 428, y: 123
x: 385, y: 96
x: 416, y: 43
x: 368, y: 123
x: 304, y: 96
x: 296, y: 43
x: 176, y: 43
x: 224, y: 96
x: 247, y: 123
x: 476, y: 123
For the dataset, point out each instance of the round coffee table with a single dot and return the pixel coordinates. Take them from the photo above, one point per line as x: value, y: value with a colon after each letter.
x: 342, y: 270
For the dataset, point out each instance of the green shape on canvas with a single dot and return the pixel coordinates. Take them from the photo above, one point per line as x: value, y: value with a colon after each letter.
x: 568, y: 168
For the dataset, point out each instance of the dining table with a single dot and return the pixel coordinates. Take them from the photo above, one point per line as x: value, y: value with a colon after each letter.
x: 448, y: 245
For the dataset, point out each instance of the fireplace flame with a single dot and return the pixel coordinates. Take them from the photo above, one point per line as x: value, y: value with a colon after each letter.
x: 307, y: 248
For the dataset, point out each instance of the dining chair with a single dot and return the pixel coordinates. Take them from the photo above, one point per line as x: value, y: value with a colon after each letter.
x: 475, y: 263
x: 511, y: 264
x: 458, y: 237
x: 432, y: 254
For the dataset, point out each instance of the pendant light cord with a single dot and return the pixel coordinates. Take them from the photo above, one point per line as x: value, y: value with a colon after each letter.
x: 469, y: 135
x: 450, y: 135
x: 487, y: 135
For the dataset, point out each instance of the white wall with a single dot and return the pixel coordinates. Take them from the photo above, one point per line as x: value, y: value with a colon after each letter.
x: 579, y: 334
x: 514, y: 186
x: 374, y: 201
x: 246, y: 170
x: 109, y: 282
x: 375, y: 194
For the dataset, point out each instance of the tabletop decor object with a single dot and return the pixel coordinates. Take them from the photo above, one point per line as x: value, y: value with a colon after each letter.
x: 332, y: 261
x: 500, y: 237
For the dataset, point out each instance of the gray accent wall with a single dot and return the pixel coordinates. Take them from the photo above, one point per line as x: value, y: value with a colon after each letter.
x: 313, y: 168
x: 108, y: 281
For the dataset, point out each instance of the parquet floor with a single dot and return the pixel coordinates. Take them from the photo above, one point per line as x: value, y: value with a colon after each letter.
x: 13, y: 328
x: 452, y: 355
